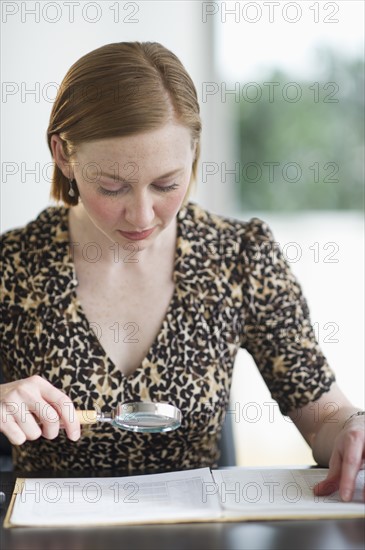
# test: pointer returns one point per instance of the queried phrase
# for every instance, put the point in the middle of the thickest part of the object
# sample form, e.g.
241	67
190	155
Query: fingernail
347	495
75	435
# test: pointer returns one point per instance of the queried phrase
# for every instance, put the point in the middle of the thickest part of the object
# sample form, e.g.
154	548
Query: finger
67	417
64	408
36	418
332	481
327	486
27	423
50	422
27	409
351	464
14	433
17	412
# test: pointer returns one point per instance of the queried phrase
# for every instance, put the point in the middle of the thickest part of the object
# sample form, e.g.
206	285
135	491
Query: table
344	534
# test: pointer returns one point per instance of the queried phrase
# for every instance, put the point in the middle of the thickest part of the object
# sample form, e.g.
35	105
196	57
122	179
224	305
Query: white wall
37	53
333	284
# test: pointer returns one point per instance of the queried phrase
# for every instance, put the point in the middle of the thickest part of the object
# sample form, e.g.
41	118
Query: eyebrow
119	178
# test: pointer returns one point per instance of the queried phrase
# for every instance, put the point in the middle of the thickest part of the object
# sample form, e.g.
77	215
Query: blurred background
281	88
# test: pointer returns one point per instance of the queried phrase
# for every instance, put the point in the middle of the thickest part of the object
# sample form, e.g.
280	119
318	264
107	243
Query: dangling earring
71	191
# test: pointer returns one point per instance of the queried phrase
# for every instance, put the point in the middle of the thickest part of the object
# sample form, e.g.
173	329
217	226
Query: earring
71	191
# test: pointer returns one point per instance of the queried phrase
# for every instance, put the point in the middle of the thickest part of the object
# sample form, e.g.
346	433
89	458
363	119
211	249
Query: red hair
121	89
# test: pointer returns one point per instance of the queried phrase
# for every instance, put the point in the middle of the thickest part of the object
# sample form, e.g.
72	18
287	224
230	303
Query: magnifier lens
140	417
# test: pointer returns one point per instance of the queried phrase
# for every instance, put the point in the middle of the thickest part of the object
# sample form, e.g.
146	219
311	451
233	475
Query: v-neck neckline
112	368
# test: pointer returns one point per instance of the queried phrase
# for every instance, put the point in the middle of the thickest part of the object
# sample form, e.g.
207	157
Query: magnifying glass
136	417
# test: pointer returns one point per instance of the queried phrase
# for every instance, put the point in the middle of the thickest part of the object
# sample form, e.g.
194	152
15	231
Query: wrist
354	415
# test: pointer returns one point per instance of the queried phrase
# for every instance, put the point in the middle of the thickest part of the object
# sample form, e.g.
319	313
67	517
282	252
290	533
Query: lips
137	236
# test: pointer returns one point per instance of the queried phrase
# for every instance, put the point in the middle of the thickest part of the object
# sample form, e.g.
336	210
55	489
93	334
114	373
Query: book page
274	492
115	500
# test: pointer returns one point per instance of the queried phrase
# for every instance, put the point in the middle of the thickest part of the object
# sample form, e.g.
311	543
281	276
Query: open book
229	494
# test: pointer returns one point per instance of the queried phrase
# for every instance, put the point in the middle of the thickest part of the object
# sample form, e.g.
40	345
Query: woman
130	292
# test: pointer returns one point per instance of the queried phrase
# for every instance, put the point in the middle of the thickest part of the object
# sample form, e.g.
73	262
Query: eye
109	192
112	192
167	188
160	188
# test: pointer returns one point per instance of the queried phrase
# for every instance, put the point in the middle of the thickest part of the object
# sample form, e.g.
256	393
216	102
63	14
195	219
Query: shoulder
201	223
39	229
218	254
37	235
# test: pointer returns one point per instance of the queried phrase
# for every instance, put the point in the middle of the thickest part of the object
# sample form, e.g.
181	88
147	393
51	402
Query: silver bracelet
358	413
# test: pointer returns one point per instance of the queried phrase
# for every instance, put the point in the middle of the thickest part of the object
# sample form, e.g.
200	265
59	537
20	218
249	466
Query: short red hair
121	89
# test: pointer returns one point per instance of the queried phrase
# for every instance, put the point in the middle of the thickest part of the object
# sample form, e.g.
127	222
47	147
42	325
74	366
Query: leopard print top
233	288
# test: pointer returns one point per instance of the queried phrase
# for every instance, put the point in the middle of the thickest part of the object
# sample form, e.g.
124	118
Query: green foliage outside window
302	142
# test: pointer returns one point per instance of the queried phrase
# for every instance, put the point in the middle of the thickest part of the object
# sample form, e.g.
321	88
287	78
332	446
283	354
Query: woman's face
135	183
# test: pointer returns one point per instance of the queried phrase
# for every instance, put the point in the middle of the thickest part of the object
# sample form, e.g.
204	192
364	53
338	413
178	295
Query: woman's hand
337	442
32	407
347	459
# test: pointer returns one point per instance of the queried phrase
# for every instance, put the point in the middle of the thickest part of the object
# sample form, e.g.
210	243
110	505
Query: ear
59	157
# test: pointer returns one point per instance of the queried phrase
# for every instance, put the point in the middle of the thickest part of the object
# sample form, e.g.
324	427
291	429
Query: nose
139	212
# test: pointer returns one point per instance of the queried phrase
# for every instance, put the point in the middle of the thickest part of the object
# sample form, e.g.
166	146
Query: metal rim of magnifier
148	417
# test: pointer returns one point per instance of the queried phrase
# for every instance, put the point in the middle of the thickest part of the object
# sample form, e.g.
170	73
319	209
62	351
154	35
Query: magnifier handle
87	417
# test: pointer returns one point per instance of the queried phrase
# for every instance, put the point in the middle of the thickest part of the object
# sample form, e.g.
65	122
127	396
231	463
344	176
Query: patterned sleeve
7	275
277	327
